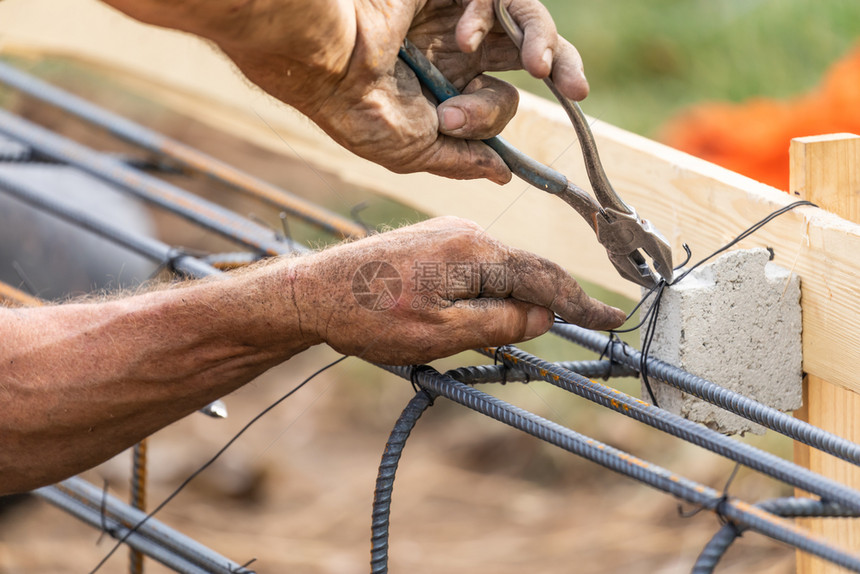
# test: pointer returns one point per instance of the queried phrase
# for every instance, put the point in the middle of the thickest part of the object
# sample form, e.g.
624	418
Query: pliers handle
617	226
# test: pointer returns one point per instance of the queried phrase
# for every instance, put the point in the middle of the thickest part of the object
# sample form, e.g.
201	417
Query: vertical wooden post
826	171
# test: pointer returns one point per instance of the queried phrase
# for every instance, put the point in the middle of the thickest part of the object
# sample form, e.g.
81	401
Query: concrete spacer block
736	322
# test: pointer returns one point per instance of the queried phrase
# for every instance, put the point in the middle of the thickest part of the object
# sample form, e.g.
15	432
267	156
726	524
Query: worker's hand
336	61
434	289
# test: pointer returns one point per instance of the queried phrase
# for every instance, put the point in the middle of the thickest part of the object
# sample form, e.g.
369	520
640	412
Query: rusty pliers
617	226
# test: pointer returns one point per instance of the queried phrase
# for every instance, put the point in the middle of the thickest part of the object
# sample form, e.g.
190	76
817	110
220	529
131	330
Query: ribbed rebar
149	188
680	427
478	374
140	244
12	151
698	494
711	392
716	547
15	295
180	153
155	539
385	479
138	496
234	260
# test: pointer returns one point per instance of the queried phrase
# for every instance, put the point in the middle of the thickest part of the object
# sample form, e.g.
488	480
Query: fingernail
452	119
619	318
547	59
538	322
475	39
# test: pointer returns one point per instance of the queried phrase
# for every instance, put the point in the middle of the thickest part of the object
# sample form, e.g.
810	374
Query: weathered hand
434	289
338	64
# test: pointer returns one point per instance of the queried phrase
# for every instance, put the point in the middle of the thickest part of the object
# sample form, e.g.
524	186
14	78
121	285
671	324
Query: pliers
617	226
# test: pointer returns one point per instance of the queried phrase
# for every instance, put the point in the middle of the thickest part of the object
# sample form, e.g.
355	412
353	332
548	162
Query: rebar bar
185	155
716	547
385	479
13	152
149	188
706	390
155	539
643	471
140	244
226	261
138	496
505	374
685	429
14	295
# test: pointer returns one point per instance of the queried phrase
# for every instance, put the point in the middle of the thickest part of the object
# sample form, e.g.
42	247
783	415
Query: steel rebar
385	479
155	539
182	154
706	390
716	547
685	429
738	511
504	373
12	151
138	496
151	248
149	188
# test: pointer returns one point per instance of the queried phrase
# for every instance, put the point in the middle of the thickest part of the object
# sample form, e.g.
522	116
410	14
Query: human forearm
86	381
299	46
337	62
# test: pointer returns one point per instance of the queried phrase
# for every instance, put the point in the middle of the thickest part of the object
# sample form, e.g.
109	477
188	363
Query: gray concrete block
736	322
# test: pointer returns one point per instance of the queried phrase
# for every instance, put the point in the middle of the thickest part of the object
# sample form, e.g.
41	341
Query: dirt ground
471	495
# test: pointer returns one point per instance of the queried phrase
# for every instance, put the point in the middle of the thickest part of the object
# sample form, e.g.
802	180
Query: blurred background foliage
646	61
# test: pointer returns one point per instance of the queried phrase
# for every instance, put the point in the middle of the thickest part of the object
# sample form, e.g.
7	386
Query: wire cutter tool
617	226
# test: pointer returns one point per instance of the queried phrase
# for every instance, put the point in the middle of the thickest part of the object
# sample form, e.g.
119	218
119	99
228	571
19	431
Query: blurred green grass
645	61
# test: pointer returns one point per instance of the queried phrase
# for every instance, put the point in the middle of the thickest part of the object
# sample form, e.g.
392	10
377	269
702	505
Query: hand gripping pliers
617	226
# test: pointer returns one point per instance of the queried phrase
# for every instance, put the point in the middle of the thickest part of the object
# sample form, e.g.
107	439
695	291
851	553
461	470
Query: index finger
537	280
543	51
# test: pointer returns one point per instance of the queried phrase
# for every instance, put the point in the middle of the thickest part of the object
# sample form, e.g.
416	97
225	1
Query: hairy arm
82	382
87	380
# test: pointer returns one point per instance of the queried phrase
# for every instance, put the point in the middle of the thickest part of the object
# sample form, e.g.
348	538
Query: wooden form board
688	199
826	170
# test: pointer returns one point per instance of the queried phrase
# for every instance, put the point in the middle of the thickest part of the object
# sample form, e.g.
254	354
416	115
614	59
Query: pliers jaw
623	235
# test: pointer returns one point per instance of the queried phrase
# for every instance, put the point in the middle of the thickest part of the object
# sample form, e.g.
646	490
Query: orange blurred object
752	138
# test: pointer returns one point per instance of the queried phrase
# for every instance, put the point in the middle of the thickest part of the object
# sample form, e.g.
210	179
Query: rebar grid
739	512
687	430
263	241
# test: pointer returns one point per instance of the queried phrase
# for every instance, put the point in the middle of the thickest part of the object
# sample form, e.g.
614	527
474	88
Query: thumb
495	322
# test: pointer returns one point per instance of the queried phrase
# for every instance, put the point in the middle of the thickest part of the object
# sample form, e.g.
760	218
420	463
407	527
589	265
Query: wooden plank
826	170
688	199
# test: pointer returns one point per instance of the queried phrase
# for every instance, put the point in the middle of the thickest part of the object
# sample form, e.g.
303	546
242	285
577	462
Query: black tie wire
516	365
